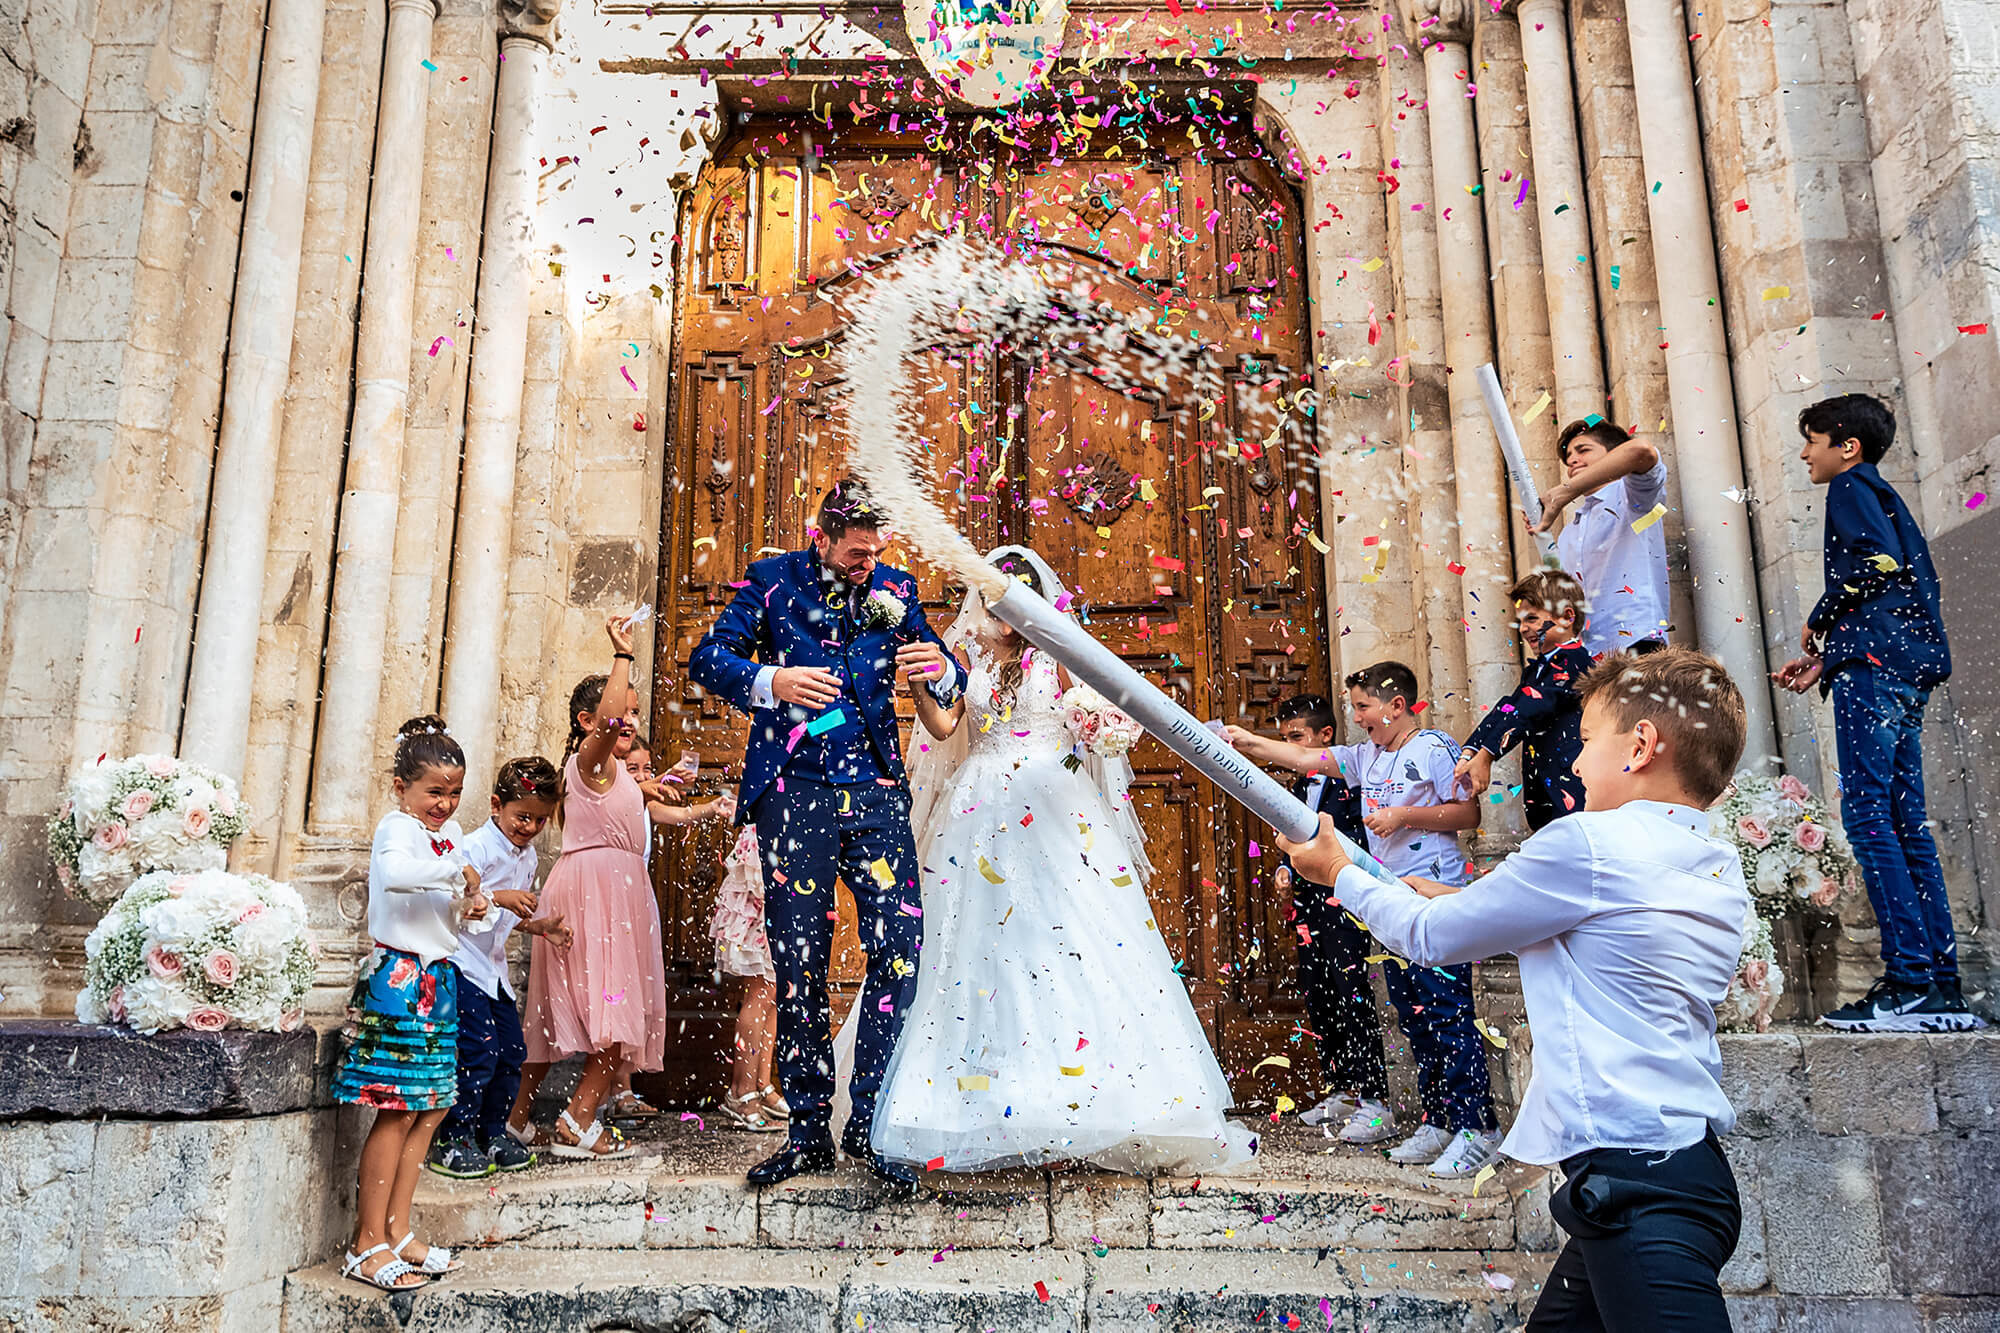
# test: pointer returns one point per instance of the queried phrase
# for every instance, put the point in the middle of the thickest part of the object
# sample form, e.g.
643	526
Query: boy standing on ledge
1627	919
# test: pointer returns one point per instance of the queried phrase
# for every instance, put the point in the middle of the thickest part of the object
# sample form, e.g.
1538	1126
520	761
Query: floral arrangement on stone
205	950
1759	982
120	819
1099	725
1794	853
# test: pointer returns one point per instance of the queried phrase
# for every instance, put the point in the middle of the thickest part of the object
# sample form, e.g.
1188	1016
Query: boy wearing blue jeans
1627	918
1875	641
1406	774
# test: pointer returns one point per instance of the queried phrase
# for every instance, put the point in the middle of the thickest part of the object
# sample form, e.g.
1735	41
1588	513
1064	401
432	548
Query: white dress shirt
481	957
1624	573
415	879
1628	924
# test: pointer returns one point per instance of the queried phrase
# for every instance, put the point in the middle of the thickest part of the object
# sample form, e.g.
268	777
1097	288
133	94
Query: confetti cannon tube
1517	461
1179	730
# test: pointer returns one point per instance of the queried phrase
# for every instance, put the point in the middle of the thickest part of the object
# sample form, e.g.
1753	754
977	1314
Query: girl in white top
402	1060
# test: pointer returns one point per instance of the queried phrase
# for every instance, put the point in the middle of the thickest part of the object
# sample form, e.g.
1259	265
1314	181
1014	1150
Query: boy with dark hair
1544	711
1628	919
1613	543
1875	641
1333	951
1406	776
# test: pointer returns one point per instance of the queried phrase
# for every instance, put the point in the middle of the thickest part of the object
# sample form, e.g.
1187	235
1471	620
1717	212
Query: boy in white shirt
1614	542
473	1140
1628	919
1407	777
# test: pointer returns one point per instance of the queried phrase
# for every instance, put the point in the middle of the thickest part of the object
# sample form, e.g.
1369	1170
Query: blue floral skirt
404	1054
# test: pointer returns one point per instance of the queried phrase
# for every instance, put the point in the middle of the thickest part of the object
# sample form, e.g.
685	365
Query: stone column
1558	169
478	596
216	725
365	547
1727	611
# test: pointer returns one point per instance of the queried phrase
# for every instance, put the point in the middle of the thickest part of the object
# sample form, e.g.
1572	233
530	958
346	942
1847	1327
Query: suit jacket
1338	799
1881	600
779	617
1544	715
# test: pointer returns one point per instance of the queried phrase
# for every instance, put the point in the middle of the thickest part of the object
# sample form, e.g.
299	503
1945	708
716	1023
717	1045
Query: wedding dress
1049	1022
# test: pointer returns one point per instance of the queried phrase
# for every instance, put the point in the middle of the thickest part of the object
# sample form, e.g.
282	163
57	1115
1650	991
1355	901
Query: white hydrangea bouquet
203	950
121	819
1794	853
1099	725
1757	985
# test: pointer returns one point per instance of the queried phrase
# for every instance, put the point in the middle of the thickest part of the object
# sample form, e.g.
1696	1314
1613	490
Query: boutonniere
883	610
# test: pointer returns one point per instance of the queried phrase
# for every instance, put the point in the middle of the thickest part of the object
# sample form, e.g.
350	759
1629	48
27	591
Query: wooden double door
1185	524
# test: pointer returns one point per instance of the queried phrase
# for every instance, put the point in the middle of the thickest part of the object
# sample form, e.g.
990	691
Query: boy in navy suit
1875	641
811	647
1543	715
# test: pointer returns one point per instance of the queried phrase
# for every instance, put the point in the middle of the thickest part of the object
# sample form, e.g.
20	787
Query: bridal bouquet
1754	990
1794	854
121	819
1099	725
203	950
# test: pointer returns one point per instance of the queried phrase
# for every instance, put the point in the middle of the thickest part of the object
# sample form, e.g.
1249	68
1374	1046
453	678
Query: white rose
88	1010
1771	876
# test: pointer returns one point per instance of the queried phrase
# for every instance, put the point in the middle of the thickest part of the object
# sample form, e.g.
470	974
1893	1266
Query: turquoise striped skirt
404	1055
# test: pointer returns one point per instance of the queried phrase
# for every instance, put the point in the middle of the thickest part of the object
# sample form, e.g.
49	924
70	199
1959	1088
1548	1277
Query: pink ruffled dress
609	987
741	947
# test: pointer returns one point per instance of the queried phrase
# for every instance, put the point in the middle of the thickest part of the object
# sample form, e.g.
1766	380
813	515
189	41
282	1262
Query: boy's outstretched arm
1283	754
1634	456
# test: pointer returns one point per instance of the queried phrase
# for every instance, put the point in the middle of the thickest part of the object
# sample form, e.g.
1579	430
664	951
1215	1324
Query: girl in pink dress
605	995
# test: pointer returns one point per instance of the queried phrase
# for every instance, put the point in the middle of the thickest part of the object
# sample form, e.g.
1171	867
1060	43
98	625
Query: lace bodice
1033	724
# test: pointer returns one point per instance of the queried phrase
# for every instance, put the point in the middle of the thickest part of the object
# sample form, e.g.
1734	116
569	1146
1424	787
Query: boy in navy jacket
1875	641
1544	712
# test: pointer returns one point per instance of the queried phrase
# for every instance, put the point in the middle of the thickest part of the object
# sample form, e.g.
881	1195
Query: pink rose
1809	836
163	963
1754	831
1827	892
225	805
65	877
1755	973
1851	881
110	836
220	967
137	805
68	808
196	822
250	913
208	1018
1793	790
116	1009
290	1020
160	766
177	887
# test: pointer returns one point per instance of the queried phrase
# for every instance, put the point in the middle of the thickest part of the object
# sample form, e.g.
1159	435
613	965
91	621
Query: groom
810	647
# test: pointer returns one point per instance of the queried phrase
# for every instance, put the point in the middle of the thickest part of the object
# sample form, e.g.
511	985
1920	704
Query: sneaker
1422	1146
1887	1007
1369	1122
459	1160
1945	1010
508	1155
1470	1151
1337	1106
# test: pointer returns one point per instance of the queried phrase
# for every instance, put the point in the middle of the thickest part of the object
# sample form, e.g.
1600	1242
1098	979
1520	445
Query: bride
1049	1023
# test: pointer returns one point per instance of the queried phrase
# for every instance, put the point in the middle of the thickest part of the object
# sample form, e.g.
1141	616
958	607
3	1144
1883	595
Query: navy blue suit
828	794
1881	600
1333	962
1544	716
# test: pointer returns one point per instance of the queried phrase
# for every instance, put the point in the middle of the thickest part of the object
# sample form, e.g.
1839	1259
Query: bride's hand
916	661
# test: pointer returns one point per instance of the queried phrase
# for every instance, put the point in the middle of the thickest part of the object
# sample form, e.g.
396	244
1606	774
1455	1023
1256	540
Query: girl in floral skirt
402	1060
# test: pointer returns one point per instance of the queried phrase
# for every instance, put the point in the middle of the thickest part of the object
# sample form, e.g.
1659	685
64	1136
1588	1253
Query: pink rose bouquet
1794	855
120	819
1097	724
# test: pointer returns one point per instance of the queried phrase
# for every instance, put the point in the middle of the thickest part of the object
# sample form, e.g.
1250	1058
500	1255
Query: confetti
1486	1173
884	876
1776	293
974	1083
1281	1061
1071	1071
1541	406
1649	518
1488	1032
827	721
992	876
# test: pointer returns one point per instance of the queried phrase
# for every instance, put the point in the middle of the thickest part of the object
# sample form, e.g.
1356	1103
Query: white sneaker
1337	1106
1370	1122
1422	1146
1470	1151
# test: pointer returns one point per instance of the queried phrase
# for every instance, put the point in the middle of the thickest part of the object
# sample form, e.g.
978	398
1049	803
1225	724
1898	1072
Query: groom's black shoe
899	1182
792	1160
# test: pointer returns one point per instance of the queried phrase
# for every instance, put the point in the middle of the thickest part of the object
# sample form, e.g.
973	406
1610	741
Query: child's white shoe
1368	1122
1422	1146
1470	1151
1336	1106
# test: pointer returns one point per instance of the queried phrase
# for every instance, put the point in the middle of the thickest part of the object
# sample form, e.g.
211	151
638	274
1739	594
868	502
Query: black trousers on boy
1649	1232
1340	1004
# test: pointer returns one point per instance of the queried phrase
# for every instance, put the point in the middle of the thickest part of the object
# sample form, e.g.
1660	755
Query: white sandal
389	1277
585	1147
747	1112
437	1259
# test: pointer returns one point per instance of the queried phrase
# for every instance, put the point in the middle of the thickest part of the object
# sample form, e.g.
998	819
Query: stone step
868	1291
1299	1197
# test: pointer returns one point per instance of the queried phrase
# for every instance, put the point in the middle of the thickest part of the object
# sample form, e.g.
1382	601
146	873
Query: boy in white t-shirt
1406	775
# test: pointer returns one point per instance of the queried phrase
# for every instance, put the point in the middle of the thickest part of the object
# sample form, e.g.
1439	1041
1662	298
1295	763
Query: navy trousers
1435	1010
490	1052
810	834
1649	1233
1340	1004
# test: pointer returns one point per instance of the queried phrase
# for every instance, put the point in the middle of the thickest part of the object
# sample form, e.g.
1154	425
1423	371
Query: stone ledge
63	1070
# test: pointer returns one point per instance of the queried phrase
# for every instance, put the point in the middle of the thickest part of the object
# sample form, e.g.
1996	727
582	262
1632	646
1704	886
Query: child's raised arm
1283	754
594	756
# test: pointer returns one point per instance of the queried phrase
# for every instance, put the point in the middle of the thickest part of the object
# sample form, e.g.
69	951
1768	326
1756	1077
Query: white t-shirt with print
1418	773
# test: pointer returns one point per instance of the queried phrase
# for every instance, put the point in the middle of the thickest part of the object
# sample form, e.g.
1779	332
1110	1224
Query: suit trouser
1649	1233
1340	1004
490	1052
1435	1009
810	834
